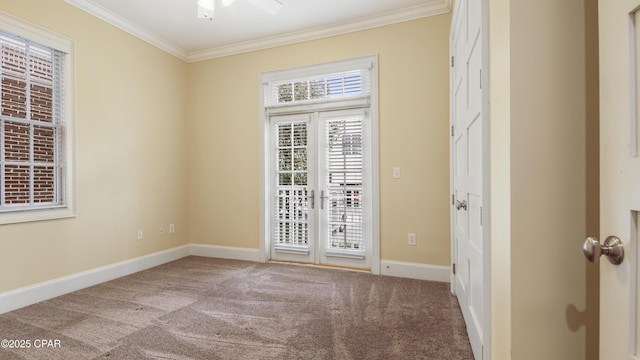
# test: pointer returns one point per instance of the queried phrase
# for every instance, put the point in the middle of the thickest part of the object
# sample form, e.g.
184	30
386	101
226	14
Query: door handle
312	197
461	205
612	248
322	197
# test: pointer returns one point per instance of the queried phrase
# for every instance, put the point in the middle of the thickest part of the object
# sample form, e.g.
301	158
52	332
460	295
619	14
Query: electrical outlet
140	234
161	232
172	228
412	239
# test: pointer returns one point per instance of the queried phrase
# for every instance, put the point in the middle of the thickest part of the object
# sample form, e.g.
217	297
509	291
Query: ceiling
172	24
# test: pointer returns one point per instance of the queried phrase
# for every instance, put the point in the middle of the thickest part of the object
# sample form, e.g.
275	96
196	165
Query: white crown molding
101	13
432	8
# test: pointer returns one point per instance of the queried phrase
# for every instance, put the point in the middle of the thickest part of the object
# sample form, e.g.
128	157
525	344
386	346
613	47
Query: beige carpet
203	308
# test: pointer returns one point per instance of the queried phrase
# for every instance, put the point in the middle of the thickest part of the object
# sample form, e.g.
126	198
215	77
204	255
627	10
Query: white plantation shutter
332	82
344	162
31	124
319	88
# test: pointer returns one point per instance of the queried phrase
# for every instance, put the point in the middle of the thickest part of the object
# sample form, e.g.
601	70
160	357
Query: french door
320	208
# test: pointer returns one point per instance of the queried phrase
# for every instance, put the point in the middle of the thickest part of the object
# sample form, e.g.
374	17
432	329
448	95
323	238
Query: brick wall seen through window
31	124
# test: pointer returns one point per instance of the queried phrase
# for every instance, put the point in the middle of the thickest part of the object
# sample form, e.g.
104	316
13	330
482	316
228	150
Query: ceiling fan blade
270	6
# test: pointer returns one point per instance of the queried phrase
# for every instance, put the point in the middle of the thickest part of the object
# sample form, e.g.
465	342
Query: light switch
396	173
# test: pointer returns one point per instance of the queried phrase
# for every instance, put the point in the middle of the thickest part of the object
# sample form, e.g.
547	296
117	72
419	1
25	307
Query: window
35	136
339	85
319	84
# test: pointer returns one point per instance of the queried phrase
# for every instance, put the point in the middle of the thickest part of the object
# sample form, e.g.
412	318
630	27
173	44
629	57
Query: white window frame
266	110
45	37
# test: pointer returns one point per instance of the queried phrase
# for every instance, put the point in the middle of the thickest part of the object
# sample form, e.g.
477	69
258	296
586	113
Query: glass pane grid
292	205
30	124
351	83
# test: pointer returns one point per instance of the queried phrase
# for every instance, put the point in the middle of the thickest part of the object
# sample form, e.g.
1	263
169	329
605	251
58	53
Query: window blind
325	87
31	124
344	161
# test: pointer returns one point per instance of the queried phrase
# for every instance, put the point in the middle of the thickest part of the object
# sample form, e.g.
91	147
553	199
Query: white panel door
619	23
321	199
467	167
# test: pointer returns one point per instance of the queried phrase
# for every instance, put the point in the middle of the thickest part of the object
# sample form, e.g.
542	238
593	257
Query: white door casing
366	102
468	165
619	31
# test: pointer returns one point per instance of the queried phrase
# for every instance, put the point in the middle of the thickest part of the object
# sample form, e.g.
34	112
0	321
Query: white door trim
486	182
265	149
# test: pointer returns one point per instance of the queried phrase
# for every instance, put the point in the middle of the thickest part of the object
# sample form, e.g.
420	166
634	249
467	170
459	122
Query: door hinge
480	78
452	61
480	215
453	201
452	130
454	268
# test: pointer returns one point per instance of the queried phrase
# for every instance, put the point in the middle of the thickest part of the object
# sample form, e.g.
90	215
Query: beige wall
130	154
542	112
155	135
223	132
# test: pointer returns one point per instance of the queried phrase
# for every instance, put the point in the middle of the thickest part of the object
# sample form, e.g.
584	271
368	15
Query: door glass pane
292	206
344	183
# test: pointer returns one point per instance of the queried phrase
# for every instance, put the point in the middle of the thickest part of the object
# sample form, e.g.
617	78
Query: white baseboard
19	298
226	252
415	271
16	299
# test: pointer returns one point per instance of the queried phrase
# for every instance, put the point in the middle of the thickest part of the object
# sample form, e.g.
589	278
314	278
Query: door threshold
325	266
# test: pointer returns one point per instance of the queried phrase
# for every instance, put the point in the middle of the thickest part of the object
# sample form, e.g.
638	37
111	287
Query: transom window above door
331	82
331	86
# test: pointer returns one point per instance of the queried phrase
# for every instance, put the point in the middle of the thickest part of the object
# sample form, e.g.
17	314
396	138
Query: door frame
486	177
265	145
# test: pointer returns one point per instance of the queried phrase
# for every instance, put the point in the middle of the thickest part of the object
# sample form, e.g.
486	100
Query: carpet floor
204	308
